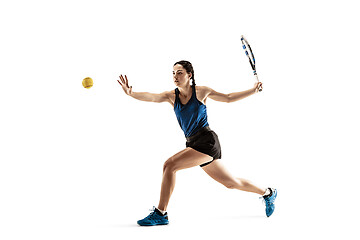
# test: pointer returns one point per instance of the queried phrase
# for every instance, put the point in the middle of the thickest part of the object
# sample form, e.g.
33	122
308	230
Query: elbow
229	98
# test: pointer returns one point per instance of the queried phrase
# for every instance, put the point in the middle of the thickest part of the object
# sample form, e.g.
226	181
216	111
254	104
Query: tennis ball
87	82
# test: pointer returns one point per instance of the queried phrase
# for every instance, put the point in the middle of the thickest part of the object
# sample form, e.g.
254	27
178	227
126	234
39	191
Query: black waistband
204	129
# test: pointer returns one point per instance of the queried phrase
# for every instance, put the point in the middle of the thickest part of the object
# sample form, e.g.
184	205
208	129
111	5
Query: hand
125	85
258	86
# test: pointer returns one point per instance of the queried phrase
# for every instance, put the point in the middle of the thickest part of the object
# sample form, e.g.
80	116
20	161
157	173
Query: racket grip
257	80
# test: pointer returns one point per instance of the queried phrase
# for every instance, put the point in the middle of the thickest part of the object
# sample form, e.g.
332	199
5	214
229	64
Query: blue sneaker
154	218
269	202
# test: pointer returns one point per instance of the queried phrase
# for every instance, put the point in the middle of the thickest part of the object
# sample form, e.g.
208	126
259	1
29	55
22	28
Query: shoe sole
150	225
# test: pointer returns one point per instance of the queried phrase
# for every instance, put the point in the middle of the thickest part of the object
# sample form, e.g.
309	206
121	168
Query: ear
190	75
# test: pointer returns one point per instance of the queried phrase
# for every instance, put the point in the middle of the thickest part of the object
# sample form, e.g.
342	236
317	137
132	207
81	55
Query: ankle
163	212
267	192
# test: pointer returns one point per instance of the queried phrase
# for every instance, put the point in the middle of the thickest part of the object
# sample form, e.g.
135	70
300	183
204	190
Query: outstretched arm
142	96
233	97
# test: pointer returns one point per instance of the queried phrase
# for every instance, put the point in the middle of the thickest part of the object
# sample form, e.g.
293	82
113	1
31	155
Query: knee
235	184
169	165
243	183
230	185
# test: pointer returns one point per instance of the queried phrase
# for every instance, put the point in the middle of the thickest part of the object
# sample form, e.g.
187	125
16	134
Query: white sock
163	212
267	192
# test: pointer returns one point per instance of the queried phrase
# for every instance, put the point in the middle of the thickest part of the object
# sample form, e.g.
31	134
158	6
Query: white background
81	163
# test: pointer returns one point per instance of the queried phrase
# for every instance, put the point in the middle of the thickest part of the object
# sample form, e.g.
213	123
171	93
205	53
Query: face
180	76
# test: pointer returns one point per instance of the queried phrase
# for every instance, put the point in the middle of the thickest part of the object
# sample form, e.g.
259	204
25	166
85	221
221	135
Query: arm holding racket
231	97
236	96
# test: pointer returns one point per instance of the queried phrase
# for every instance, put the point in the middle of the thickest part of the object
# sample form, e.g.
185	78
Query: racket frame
249	53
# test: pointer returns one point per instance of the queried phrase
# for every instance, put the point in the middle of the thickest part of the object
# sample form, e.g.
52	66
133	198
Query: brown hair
189	69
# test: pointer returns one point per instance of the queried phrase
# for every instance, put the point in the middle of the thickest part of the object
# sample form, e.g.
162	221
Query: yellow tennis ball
87	82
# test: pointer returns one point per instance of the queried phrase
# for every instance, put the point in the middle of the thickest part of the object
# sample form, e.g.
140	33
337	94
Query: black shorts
206	142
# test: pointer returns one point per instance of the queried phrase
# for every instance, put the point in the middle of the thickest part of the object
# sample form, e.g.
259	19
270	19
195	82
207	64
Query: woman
202	144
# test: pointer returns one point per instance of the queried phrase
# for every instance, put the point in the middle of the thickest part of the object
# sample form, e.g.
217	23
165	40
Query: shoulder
170	96
202	93
204	90
169	93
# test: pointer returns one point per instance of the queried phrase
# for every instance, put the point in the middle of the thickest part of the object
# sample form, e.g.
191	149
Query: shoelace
153	209
151	215
266	200
263	200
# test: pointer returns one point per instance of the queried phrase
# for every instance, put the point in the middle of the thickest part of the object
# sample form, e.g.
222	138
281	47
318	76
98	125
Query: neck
185	90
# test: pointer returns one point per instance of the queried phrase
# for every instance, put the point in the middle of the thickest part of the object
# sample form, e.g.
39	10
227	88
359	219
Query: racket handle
257	80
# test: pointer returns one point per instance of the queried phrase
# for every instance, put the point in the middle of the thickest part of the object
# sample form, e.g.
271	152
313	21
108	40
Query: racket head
249	53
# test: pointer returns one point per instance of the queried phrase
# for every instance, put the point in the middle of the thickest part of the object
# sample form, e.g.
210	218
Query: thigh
187	158
218	172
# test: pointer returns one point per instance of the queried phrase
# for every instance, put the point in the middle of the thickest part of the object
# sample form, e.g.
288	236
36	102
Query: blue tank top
192	116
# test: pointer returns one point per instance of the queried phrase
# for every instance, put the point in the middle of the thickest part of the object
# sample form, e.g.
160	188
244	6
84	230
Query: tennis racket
250	54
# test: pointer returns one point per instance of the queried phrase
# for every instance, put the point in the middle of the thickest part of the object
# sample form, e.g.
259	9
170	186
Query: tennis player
202	144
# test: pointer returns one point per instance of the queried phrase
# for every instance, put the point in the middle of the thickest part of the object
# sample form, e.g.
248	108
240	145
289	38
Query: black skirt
206	141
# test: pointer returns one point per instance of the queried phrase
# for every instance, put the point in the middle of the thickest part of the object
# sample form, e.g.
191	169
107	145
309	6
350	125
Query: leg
184	159
217	171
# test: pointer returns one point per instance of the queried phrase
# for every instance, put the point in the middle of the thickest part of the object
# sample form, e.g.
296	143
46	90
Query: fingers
258	86
123	81
127	82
